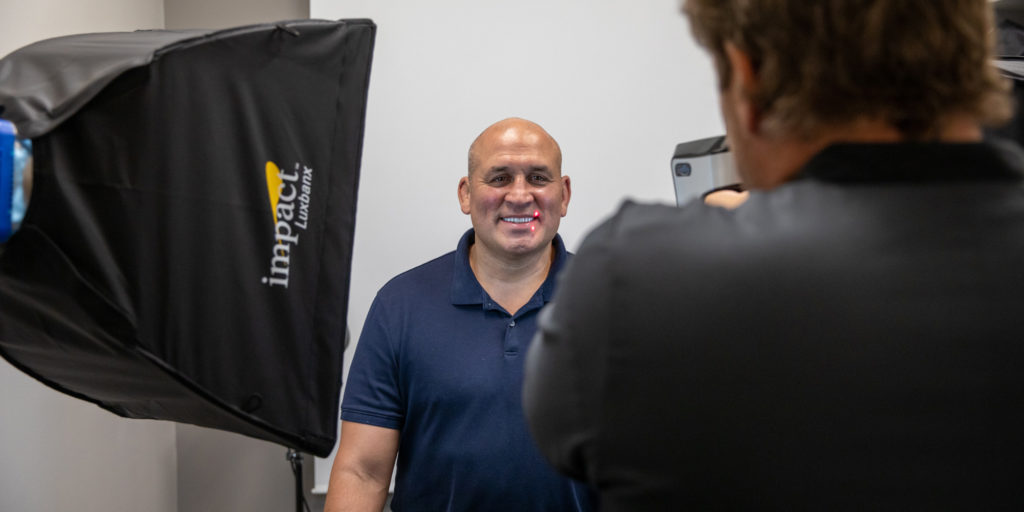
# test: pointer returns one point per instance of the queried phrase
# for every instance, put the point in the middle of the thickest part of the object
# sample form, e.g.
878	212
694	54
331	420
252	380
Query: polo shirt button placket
511	344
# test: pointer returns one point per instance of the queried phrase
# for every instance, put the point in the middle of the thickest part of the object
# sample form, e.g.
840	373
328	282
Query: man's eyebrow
498	169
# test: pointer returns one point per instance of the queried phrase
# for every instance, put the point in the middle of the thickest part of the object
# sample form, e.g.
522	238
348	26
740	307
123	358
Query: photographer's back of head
808	74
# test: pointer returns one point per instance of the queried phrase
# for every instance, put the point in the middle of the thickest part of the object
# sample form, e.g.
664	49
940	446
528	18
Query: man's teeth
518	220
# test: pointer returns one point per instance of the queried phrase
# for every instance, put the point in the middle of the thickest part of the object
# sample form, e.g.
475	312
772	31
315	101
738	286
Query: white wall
617	82
223	472
27	22
230	13
61	454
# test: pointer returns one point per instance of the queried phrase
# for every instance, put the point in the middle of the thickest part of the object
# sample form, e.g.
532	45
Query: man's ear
743	87
566	194
464	194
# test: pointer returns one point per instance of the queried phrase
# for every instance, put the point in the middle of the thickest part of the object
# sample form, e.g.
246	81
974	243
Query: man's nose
519	192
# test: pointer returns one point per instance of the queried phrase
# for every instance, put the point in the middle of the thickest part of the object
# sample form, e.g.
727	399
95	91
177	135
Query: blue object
6	177
439	360
19	202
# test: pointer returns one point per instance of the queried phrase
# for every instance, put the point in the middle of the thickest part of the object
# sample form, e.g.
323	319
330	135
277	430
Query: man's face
515	195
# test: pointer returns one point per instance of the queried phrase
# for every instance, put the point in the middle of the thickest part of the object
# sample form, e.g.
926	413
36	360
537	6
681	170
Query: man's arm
566	364
362	468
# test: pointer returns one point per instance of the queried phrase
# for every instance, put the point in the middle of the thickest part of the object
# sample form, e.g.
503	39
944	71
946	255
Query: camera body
701	165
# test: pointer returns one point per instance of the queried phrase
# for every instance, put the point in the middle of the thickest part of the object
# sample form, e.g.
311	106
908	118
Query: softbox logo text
289	201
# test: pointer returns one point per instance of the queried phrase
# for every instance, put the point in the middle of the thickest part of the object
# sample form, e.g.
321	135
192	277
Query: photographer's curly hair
819	63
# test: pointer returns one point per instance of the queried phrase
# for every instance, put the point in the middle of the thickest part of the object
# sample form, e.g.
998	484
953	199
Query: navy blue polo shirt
443	363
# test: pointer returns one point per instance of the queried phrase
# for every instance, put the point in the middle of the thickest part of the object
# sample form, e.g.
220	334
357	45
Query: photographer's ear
742	88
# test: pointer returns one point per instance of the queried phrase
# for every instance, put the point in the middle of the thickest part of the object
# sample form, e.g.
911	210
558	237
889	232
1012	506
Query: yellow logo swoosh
273	187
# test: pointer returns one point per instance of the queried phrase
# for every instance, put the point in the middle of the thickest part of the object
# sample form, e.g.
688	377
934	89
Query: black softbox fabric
186	254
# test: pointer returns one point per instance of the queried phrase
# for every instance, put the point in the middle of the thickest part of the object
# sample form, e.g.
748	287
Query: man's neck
511	282
789	156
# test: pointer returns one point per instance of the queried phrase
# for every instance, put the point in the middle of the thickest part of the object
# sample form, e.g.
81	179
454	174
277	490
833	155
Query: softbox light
186	254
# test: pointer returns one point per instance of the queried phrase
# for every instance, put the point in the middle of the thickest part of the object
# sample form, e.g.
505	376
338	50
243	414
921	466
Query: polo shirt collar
466	290
916	162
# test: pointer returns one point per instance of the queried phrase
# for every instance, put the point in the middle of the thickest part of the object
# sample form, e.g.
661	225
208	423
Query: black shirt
853	339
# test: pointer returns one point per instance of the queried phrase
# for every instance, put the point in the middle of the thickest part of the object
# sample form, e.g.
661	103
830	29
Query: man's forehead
517	137
514	138
525	165
518	156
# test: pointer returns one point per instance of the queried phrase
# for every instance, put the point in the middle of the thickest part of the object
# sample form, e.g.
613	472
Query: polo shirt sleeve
567	361
372	393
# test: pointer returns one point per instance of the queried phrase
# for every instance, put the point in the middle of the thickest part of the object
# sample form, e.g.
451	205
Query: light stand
295	458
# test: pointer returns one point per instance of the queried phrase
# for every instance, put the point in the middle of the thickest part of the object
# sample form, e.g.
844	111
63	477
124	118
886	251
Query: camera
702	165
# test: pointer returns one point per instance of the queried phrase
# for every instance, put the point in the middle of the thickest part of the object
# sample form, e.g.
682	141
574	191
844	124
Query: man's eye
499	179
539	178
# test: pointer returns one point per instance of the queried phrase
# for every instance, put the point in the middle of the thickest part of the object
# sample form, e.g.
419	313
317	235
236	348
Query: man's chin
517	242
525	245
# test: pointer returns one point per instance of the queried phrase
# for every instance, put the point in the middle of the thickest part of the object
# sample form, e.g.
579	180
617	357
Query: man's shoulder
429	277
640	227
696	237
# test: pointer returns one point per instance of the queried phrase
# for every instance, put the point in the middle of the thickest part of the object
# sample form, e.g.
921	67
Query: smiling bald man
437	373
